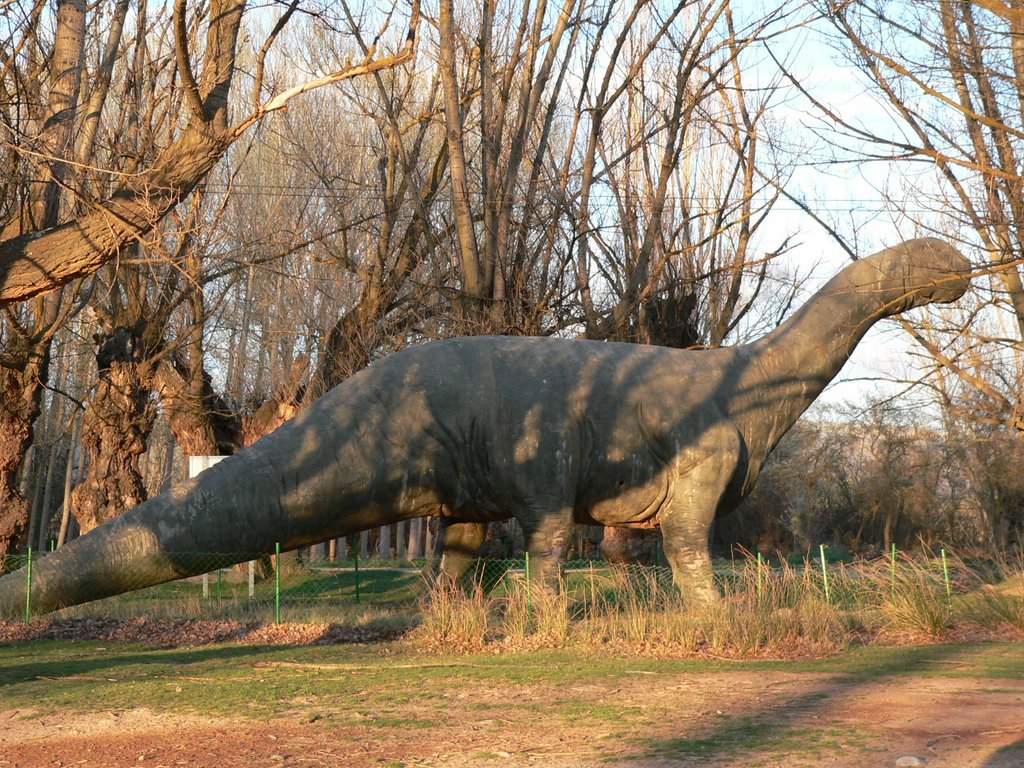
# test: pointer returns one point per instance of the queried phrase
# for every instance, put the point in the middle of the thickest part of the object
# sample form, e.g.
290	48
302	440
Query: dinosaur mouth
946	289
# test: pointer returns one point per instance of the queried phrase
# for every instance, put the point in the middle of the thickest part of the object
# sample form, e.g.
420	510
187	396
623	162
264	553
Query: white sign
197	464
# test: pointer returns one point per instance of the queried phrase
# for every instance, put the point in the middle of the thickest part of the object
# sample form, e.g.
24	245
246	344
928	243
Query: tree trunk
41	261
401	540
416	538
469	257
21	390
202	422
15	433
115	429
281	407
892	518
46	510
24	371
65	517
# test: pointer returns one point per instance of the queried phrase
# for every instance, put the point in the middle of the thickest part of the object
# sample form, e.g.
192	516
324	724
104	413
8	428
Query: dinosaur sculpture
548	431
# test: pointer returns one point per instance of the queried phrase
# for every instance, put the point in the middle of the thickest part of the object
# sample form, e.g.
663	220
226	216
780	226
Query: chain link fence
290	587
295	587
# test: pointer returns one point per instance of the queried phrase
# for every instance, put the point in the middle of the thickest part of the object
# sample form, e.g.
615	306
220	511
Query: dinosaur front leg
705	472
686	547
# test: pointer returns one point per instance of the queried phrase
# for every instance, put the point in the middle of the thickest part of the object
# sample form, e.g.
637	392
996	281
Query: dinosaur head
926	270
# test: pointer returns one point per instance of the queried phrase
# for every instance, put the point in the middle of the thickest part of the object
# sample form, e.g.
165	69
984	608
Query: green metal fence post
28	588
277	583
526	569
824	574
593	591
355	563
893	570
759	576
945	576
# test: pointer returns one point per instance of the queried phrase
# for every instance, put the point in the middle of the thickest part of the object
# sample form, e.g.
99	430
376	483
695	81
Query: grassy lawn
590	706
260	682
522	675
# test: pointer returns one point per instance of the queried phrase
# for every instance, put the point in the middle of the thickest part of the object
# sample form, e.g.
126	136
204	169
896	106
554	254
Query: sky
850	196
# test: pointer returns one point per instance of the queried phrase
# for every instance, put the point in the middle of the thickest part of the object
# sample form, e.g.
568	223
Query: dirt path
713	719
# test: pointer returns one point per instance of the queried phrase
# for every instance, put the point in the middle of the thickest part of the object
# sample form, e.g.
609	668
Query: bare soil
720	718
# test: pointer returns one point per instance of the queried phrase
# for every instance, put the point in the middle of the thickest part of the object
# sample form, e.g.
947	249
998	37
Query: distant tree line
871	478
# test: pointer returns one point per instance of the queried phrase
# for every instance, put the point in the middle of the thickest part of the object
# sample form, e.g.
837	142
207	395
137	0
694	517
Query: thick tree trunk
42	261
21	390
202	422
15	435
114	431
25	369
281	407
346	351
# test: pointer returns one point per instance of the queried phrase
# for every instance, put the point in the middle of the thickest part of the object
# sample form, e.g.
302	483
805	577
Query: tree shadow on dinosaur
548	431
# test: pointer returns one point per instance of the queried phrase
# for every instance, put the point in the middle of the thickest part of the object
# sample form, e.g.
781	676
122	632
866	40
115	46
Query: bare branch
366	67
261	59
188	80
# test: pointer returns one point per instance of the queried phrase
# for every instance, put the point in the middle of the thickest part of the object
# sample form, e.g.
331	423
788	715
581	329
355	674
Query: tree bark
65	516
41	261
201	420
472	279
46	510
281	407
24	369
115	429
20	393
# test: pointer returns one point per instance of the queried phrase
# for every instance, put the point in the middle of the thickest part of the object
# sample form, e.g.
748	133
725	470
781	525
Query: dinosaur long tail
279	490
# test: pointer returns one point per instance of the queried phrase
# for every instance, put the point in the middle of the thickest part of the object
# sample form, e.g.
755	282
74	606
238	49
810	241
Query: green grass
396	687
319	595
747	734
262	682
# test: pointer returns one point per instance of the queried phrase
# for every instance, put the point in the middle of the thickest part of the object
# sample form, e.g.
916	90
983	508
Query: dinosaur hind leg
687	553
458	542
548	537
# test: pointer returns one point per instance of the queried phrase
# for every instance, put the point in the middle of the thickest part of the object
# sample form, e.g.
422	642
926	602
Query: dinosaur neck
791	366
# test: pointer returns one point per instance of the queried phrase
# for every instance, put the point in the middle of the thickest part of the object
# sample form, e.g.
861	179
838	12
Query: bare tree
951	76
115	199
39	262
27	332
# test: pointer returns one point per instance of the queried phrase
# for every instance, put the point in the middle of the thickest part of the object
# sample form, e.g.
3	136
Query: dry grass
453	619
781	611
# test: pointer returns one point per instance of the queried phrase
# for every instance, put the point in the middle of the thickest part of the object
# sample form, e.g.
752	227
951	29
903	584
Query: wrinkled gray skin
548	431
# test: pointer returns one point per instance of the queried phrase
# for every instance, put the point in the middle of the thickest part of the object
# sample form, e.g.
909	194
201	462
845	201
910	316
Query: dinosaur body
547	431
